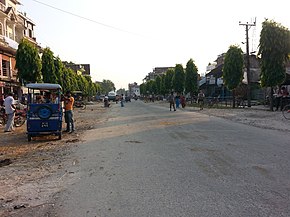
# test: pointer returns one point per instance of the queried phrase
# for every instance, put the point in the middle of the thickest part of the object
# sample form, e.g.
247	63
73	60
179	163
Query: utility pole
248	26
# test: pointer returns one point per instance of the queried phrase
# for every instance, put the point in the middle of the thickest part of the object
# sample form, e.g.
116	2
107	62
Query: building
156	72
83	69
212	82
134	89
14	25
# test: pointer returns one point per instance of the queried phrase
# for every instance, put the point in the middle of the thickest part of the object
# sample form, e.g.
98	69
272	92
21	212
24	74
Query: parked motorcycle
19	118
80	104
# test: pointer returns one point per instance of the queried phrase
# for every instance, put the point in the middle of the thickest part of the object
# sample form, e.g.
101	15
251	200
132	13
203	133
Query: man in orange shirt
68	115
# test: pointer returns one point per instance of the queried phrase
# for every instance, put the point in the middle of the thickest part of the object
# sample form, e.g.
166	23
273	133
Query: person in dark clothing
171	101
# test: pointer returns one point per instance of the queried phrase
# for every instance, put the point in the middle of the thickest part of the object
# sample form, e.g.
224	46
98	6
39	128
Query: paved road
148	161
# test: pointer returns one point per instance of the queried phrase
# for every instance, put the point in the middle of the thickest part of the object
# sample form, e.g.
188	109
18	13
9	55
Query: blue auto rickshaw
44	110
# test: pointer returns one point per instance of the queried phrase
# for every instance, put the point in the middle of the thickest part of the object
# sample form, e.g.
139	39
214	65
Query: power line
84	18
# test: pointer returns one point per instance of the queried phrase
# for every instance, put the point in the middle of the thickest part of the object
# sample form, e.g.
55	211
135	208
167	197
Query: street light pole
248	26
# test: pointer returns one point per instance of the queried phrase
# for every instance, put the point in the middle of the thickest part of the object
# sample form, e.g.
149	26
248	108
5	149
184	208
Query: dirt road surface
31	173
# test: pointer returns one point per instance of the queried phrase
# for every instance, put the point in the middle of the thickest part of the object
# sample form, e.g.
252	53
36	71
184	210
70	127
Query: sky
123	40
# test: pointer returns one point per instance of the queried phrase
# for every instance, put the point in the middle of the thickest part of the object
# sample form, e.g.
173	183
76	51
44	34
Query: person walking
177	100
171	101
122	100
182	101
68	115
200	99
9	105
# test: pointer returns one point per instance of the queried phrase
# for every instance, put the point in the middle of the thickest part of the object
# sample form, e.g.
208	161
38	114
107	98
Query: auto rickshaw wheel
59	136
29	137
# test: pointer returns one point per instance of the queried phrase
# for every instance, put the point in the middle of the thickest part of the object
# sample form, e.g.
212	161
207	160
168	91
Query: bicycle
212	102
286	112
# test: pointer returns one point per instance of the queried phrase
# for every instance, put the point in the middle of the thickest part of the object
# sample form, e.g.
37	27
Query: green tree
274	48
70	81
158	84
97	88
121	91
233	68
82	84
58	65
168	80
48	67
91	91
143	88
28	62
162	85
178	78
191	76
107	86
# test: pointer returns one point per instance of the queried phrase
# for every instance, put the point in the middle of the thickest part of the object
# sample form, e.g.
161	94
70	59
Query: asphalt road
148	161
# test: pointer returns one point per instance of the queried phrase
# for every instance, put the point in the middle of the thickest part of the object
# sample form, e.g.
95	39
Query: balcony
13	44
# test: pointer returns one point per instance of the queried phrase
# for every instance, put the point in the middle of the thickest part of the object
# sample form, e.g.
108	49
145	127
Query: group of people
176	101
279	95
120	98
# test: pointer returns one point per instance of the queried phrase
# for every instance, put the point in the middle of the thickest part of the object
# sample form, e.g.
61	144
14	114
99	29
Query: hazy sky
126	39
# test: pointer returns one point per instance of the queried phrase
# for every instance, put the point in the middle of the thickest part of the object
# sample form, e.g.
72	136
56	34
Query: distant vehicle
128	98
78	96
112	96
100	98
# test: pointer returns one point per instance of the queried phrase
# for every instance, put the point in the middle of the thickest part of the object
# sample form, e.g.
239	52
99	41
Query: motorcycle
19	118
80	104
106	103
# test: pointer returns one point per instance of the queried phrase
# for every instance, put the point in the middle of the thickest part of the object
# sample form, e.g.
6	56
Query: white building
134	89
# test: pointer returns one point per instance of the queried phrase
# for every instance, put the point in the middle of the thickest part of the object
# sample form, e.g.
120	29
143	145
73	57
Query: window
1	29
30	33
5	68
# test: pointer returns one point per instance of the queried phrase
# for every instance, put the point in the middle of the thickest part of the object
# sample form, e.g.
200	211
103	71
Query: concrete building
134	89
156	71
83	69
14	25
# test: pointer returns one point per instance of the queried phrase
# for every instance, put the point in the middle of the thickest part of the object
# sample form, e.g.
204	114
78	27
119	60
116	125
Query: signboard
212	80
219	81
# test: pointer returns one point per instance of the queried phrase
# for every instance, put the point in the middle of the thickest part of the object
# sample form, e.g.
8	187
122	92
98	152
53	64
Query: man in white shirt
10	111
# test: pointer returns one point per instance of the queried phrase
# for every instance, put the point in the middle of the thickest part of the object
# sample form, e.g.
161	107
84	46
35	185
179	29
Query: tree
274	49
191	76
158	84
162	85
82	84
121	91
69	80
168	80
48	67
107	86
97	87
91	91
178	78
28	62
59	67
233	68
143	88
